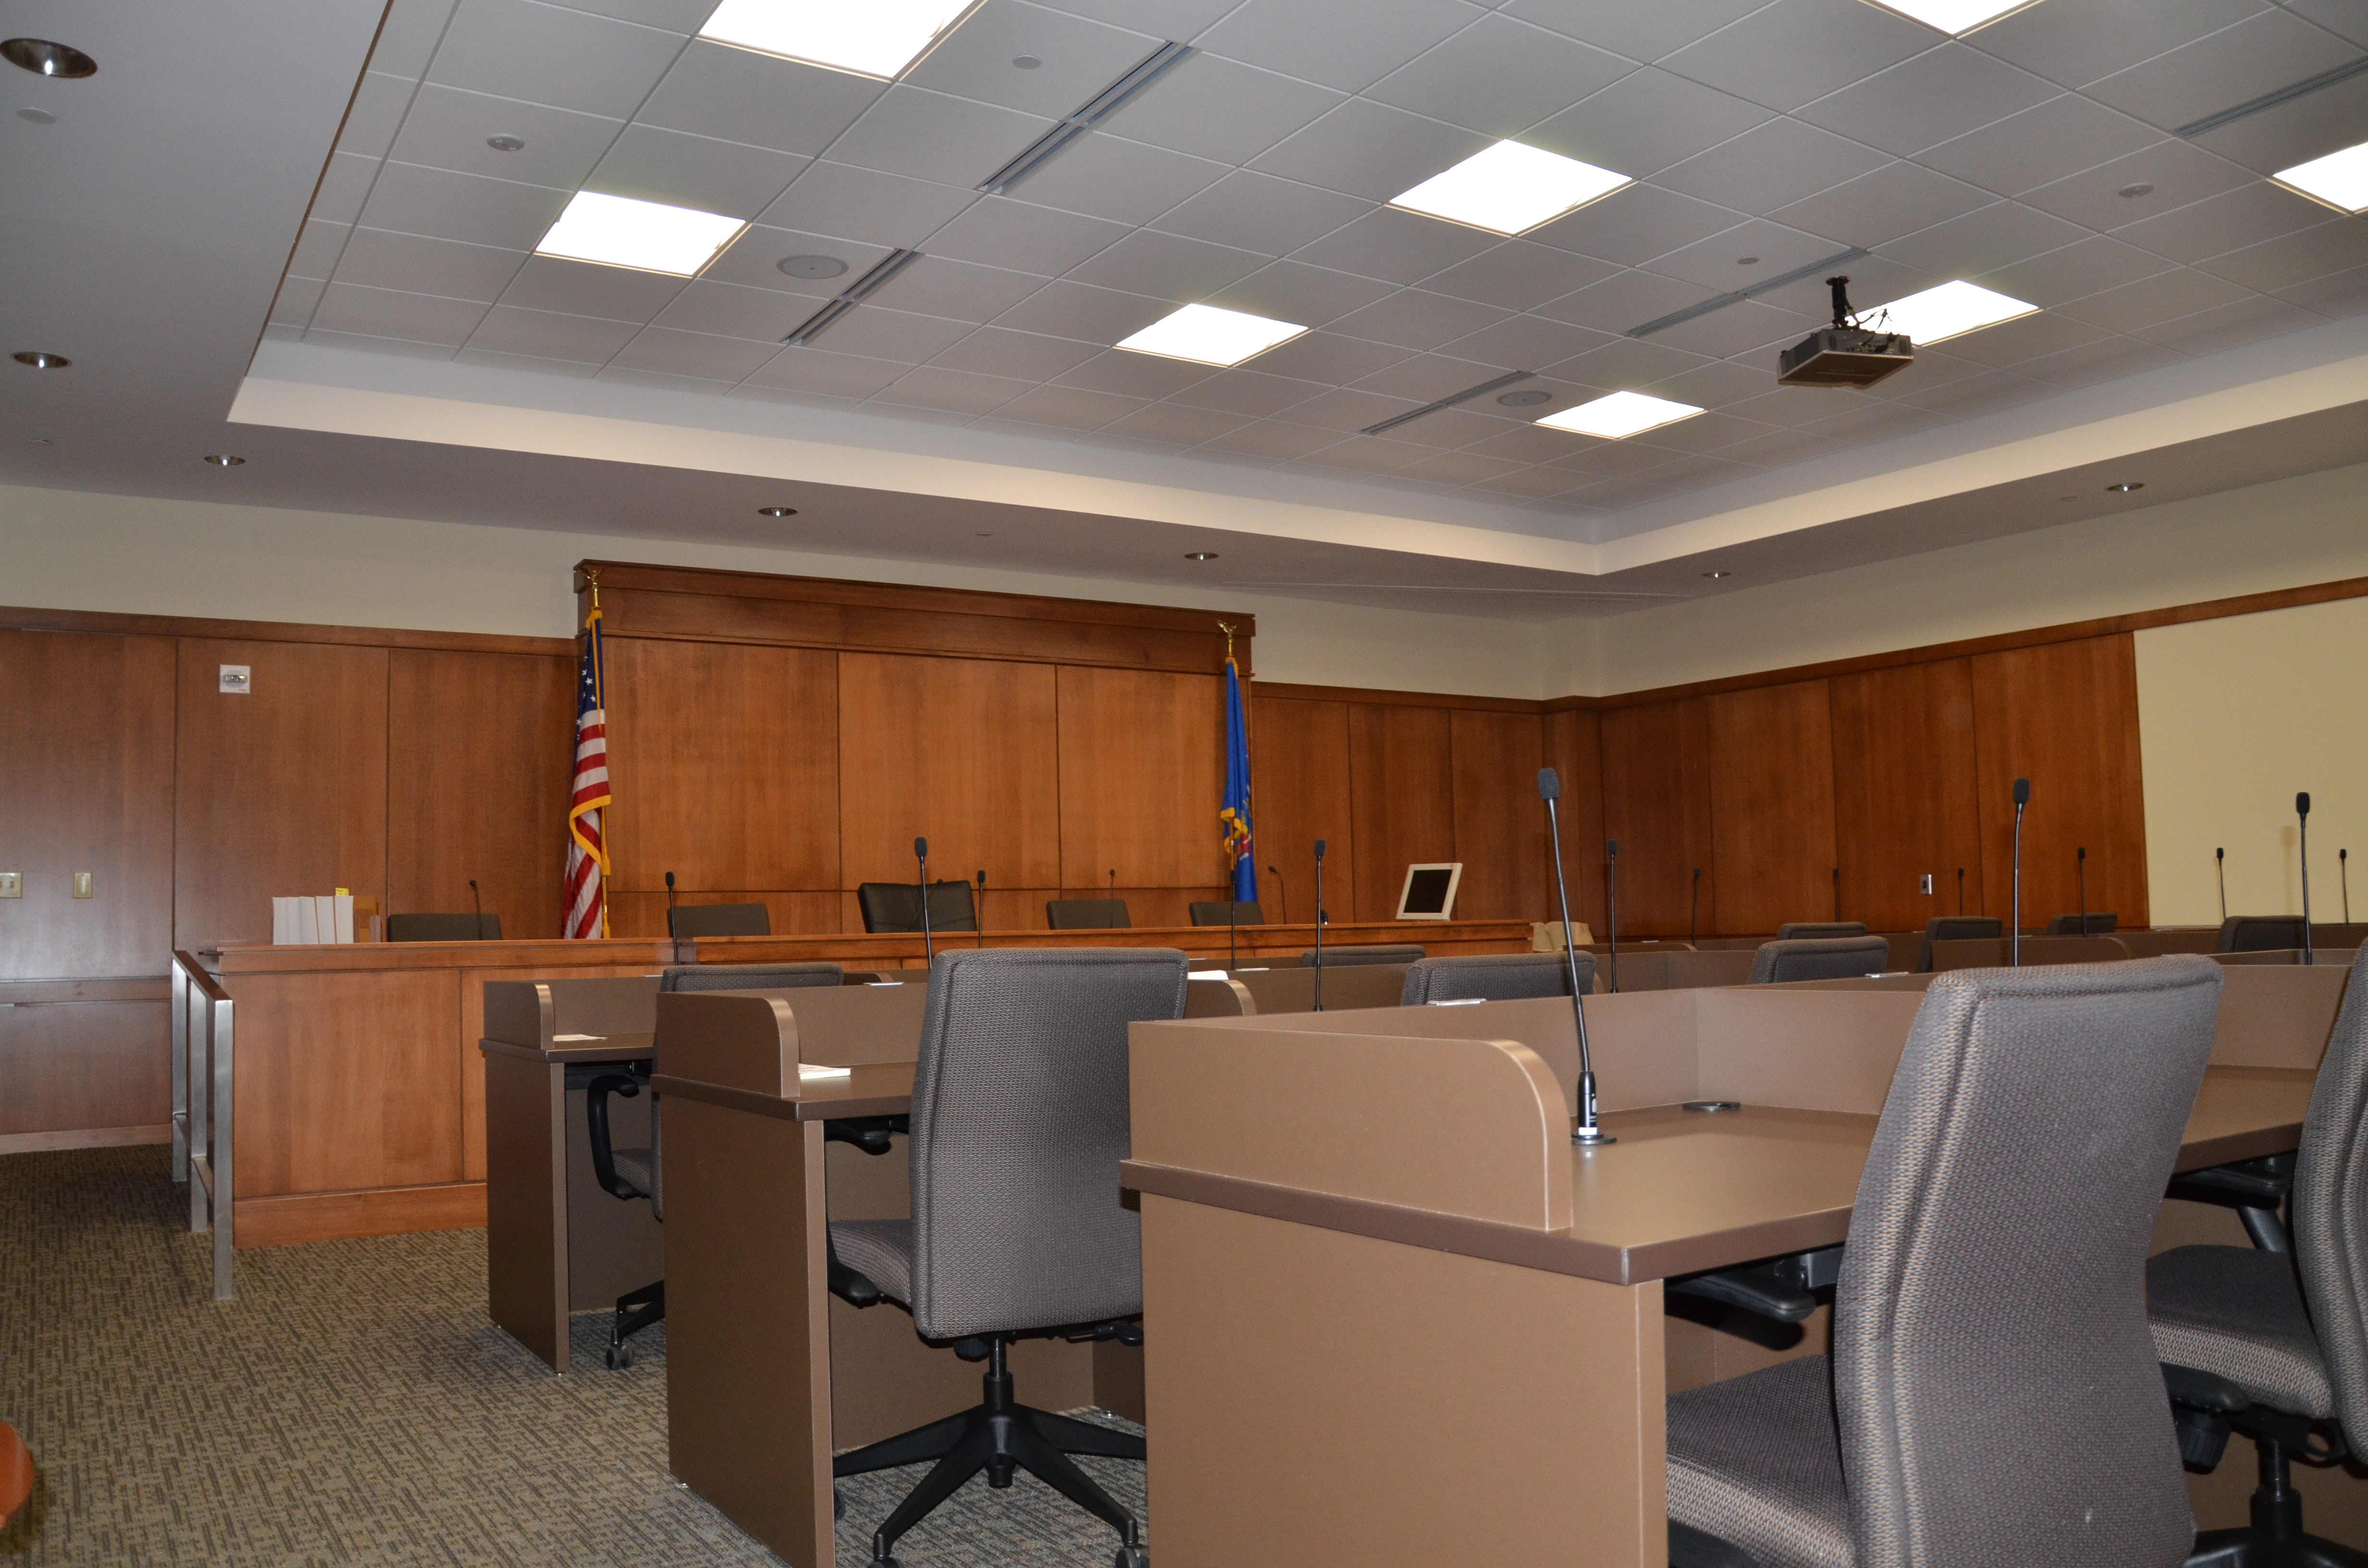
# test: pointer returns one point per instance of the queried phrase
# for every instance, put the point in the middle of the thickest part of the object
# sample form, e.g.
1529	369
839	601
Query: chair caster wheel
1132	1557
618	1356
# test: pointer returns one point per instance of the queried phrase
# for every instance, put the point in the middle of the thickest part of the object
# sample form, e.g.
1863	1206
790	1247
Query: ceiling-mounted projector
1845	354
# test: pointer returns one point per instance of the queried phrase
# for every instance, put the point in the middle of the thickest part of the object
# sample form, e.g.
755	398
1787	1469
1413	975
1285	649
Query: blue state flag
1234	815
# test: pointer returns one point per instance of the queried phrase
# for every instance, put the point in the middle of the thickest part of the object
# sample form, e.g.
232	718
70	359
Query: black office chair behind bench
636	1174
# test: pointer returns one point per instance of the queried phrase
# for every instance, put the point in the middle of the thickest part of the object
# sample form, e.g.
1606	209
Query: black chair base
1000	1436
2244	1549
636	1309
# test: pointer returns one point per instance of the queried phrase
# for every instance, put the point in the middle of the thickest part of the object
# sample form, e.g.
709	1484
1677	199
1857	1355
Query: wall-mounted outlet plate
11	884
236	680
1924	884
82	884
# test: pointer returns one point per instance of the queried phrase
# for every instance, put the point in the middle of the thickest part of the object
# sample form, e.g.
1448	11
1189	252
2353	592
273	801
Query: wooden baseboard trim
293	1217
84	1138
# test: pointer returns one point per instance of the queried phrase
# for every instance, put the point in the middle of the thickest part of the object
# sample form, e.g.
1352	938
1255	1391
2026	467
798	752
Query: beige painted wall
2309	529
70	550
2234	717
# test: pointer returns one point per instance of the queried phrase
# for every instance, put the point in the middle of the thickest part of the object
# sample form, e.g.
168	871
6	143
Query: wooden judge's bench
360	1093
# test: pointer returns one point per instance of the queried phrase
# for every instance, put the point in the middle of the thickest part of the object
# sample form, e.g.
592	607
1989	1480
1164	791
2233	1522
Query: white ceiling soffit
307	388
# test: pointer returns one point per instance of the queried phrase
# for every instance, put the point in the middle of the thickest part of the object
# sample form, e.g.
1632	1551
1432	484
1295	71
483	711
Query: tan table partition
1245	992
768	1374
1393	1315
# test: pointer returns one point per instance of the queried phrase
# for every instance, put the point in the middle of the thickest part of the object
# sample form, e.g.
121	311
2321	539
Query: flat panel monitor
1430	892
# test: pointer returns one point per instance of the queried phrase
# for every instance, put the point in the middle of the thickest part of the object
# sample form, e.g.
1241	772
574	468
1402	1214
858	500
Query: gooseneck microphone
1838	895
2220	869
1611	904
1961	890
1114	881
1694	917
2302	819
1233	930
478	899
1281	891
929	940
1319	925
2080	860
977	915
669	903
2021	798
2343	872
1590	1132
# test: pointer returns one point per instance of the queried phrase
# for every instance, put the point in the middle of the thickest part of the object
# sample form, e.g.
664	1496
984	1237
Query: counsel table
1392	1316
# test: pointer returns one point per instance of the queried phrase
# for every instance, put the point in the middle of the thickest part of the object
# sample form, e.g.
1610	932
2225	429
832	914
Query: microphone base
1590	1137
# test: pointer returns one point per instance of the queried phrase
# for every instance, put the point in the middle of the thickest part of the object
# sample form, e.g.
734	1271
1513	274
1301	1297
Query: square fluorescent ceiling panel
870	37
1620	414
1957	16
616	231
2339	179
1948	311
1511	189
1210	336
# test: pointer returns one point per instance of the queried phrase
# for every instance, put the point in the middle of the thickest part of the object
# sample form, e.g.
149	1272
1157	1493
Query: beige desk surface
596	1048
1682	1191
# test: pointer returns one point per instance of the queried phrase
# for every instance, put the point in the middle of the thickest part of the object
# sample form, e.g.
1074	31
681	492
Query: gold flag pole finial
1229	639
592	581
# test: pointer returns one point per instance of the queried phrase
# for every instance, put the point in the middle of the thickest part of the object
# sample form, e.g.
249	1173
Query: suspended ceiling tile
820	370
1293	291
2246	214
1796	51
1167	266
1415	318
549	54
386	260
2088	267
1221	109
737	94
1271	440
1625	299
1525	342
1646	121
1085	313
2178	171
958	290
1028	356
1369	149
447	128
2076	44
551	335
1784	160
576	370
1718	262
386	313
2345	18
1748	325
1425	378
1076	58
1343	45
754	261
1398	246
1877	207
1637	224
2008	345
1251	394
1518	275
411	200
1640	32
2339	294
935	136
1531	74
581	288
407	38
1996	236
344	183
1126	181
2228	325
1627	363
2297	130
1142	375
1255	212
955	391
2040	144
2336	246
376	114
674	170
1174	422
2106	360
728	310
999	232
886	209
1937	95
877	333
2259	54
1328	359
703	354
2150	302
1071	407
404	347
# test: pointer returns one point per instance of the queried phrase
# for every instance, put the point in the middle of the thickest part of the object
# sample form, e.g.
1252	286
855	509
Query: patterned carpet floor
353	1406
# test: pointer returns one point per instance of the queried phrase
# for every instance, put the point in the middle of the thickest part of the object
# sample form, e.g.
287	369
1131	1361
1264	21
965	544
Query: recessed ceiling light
618	231
1949	310
776	511
1621	414
1530	398
2135	189
2126	487
224	460
1953	15
1208	334
812	266
37	116
2339	179
44	58
1025	61
1746	261
506	143
1510	188
1714	576
1199	555
41	359
873	37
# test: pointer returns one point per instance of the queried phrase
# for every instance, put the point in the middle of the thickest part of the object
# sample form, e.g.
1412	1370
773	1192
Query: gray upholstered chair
1957	929
747	976
2090	925
1085	913
1835	958
689	920
1820	930
443	928
2276	1345
1217	912
1504	977
896	906
1020	1121
1992	1399
2260	933
1377	952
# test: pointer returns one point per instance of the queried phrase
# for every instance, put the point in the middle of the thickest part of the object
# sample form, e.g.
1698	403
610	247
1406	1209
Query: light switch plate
235	680
82	884
1924	884
11	884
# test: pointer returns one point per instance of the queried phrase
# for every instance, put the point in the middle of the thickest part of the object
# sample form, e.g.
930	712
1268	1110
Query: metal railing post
180	995
221	1194
204	1085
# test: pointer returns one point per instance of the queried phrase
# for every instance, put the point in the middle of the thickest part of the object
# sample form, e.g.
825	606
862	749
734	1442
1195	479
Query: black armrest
850	1285
1782	1289
873	1134
596	1115
2199	1390
2255	1188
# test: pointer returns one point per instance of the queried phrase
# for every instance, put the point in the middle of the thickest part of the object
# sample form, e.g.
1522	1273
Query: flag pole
600	694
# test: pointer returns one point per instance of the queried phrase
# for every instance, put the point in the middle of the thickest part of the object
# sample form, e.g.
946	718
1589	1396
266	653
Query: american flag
587	854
